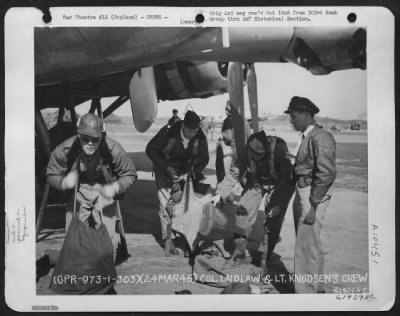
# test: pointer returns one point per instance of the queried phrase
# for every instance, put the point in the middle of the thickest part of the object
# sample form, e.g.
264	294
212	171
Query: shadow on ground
139	206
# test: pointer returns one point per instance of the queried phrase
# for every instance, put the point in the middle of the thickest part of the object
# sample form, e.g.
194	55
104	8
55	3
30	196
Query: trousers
94	209
163	185
308	253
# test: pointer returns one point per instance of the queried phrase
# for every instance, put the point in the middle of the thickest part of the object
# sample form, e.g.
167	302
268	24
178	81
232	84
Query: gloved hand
274	211
172	174
110	190
70	180
310	217
241	211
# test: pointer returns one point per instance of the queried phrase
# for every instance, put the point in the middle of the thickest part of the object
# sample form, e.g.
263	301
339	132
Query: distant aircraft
148	64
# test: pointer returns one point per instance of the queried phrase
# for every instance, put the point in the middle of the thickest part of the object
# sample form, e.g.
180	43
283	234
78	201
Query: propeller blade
143	95
253	100
235	88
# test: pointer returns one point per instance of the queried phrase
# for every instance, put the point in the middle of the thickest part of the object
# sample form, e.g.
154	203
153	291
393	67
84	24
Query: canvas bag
250	201
86	261
188	213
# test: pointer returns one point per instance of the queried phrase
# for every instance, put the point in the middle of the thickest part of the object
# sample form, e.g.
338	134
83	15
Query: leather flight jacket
316	163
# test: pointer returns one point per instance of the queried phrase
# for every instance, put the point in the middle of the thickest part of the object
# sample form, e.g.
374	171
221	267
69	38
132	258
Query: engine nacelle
173	81
323	50
189	79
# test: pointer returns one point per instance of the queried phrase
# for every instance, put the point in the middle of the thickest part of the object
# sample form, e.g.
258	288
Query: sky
341	94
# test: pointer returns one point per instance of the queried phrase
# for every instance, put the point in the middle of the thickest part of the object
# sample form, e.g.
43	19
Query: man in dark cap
175	118
176	151
264	170
314	172
100	168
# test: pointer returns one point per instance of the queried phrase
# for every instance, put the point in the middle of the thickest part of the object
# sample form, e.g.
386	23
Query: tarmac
344	237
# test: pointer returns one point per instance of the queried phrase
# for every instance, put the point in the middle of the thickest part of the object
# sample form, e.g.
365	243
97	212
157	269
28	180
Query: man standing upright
314	172
174	118
176	151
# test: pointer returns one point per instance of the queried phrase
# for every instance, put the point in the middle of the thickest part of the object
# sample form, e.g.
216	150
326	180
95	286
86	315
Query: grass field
352	166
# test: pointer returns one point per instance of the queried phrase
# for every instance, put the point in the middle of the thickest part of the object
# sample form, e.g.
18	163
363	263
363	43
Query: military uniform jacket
165	149
316	163
91	172
272	170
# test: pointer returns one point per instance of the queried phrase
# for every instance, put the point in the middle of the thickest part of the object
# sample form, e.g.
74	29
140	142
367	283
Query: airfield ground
344	236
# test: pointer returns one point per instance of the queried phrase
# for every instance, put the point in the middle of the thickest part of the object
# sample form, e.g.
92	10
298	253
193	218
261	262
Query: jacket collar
308	130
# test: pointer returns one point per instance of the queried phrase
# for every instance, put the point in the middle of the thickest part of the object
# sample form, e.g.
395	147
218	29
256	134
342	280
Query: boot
169	248
240	249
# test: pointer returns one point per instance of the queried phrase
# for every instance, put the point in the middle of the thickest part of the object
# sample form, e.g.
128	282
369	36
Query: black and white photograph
216	151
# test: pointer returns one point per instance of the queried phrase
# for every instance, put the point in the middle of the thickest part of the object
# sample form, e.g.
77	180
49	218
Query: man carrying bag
176	151
104	171
86	262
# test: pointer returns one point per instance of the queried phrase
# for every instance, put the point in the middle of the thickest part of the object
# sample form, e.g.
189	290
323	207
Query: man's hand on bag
310	217
70	180
274	211
241	211
172	174
110	190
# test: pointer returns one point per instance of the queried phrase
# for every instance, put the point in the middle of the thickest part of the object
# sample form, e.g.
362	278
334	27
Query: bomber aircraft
145	65
148	64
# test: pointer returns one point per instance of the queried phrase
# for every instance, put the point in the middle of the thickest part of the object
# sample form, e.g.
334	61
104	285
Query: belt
301	181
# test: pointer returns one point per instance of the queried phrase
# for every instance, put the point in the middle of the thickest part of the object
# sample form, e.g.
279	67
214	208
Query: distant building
355	126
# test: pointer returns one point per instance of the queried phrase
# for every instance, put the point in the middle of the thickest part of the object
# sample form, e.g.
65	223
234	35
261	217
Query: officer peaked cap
301	104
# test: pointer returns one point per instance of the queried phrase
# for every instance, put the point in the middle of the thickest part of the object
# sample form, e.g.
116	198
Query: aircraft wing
176	62
74	53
